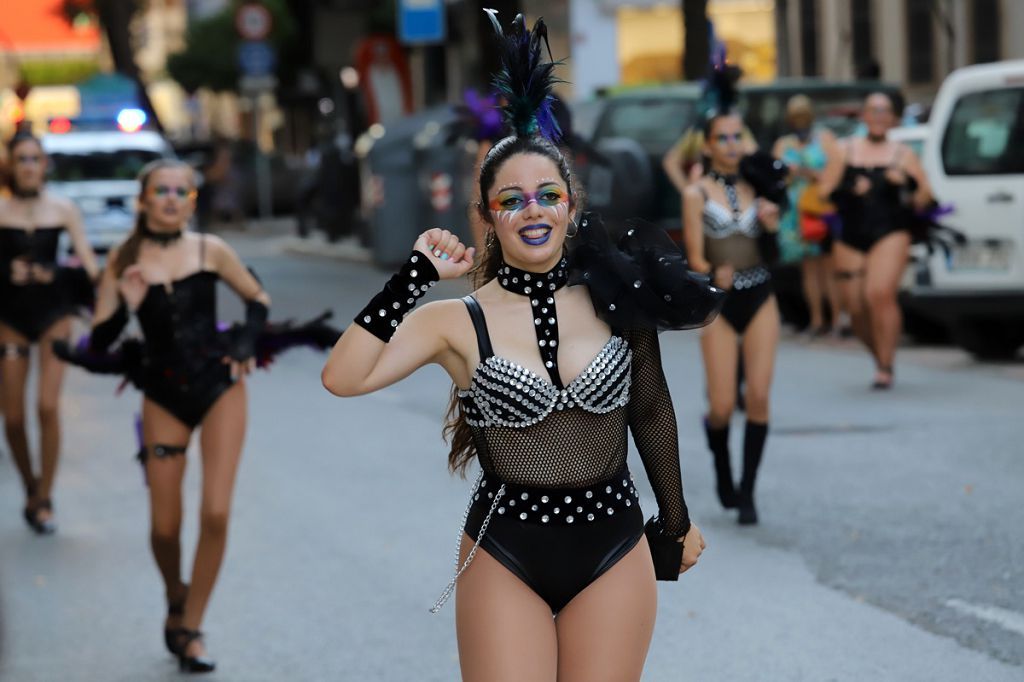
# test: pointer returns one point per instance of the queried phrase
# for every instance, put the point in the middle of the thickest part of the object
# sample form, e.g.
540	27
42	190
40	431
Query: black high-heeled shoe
190	664
880	384
174	608
41	526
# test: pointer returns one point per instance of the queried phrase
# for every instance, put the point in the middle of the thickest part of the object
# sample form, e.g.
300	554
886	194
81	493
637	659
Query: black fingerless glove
107	331
666	550
243	345
387	309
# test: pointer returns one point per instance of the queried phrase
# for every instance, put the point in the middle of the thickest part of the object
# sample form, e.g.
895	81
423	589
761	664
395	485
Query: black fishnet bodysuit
577	446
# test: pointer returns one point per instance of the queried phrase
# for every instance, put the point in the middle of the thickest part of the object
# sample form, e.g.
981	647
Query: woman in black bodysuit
190	379
723	223
36	301
545	393
877	185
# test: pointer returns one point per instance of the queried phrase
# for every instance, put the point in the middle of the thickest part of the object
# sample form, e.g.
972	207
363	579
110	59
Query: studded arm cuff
386	310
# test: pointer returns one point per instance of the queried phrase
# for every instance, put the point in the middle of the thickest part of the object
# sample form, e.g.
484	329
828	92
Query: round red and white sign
253	21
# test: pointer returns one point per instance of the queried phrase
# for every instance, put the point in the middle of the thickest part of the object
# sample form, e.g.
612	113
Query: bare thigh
885	265
221	440
848	261
719	345
605	631
15	372
506	632
164	474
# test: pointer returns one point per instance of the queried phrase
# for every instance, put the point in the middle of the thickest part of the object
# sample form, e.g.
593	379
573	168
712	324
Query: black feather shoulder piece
526	79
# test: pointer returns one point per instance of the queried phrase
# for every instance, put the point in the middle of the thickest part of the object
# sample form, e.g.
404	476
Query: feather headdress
719	94
525	78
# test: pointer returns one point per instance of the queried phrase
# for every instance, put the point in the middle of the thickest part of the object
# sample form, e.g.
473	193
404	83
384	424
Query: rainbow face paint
550	196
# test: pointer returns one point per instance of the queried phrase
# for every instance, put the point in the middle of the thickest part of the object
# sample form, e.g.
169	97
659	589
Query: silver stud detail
525	496
382	312
413	273
546	518
610	511
367	319
589	494
611	307
568	519
568	499
544	499
590	517
413	260
636	284
501	510
523	516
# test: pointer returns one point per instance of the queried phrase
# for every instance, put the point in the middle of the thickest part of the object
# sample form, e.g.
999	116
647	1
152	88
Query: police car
95	164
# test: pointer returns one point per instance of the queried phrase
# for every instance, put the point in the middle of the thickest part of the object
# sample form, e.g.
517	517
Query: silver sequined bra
504	393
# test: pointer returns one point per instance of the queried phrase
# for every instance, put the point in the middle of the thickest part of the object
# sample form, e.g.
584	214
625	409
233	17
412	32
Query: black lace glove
385	311
107	331
243	345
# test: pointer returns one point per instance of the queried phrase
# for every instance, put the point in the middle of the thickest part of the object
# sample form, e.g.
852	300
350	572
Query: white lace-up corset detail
504	393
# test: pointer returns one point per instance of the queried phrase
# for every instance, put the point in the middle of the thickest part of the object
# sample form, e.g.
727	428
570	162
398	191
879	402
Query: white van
974	157
97	170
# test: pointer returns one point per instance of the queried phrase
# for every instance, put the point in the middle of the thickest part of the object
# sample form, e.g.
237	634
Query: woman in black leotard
36	302
546	391
723	225
876	185
190	379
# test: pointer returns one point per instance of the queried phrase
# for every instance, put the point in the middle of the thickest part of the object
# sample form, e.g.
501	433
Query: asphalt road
890	546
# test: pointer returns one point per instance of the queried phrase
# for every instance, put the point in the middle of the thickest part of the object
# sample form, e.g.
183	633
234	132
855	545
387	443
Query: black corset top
181	322
504	393
37	246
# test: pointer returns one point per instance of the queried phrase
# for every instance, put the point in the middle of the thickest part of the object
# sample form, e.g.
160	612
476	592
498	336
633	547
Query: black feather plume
526	79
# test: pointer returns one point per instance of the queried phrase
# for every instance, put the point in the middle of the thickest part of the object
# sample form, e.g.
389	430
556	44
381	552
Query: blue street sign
421	21
256	58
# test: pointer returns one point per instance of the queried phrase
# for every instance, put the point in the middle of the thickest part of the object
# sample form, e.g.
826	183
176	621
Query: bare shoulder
695	191
65	206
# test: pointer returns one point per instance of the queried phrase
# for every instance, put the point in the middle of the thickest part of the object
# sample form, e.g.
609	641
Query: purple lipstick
536	234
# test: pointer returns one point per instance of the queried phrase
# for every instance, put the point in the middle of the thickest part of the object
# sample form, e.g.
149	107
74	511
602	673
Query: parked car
97	169
974	162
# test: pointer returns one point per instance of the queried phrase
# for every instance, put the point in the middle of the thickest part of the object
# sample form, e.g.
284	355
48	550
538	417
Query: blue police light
131	120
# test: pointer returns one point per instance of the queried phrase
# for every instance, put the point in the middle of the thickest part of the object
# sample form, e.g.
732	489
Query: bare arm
73	223
672	162
693	229
912	166
108	298
230	268
832	175
361	362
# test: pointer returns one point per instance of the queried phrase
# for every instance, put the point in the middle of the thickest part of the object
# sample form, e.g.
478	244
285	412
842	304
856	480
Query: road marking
1004	618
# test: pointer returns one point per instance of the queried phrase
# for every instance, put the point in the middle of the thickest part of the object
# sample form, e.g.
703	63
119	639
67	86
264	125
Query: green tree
210	59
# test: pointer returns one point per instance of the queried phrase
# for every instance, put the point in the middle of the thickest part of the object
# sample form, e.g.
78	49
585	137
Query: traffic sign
421	21
256	58
253	21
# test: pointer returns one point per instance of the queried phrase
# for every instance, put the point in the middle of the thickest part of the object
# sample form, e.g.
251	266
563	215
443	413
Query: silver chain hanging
458	541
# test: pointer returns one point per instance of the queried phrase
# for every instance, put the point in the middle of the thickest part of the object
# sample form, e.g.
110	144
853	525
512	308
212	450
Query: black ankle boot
718	443
753	448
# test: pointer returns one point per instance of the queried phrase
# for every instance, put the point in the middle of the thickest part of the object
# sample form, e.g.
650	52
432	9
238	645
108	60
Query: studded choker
540	288
161	238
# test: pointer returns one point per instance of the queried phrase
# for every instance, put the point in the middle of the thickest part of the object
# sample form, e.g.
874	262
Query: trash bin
398	204
445	164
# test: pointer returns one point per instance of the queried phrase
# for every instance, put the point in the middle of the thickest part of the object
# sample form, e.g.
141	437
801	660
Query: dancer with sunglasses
37	298
723	230
555	577
167	277
877	185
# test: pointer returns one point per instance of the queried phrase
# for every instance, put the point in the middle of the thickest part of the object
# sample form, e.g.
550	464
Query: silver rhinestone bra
504	393
720	222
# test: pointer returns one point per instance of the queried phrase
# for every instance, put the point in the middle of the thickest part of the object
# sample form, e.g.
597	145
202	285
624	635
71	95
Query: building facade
914	43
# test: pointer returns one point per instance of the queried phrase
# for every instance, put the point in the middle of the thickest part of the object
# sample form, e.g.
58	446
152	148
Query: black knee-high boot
753	448
718	443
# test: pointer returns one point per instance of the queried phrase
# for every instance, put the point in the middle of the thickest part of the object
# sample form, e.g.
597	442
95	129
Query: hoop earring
575	229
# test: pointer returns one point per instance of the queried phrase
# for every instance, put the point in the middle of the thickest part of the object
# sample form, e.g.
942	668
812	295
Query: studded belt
559	506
